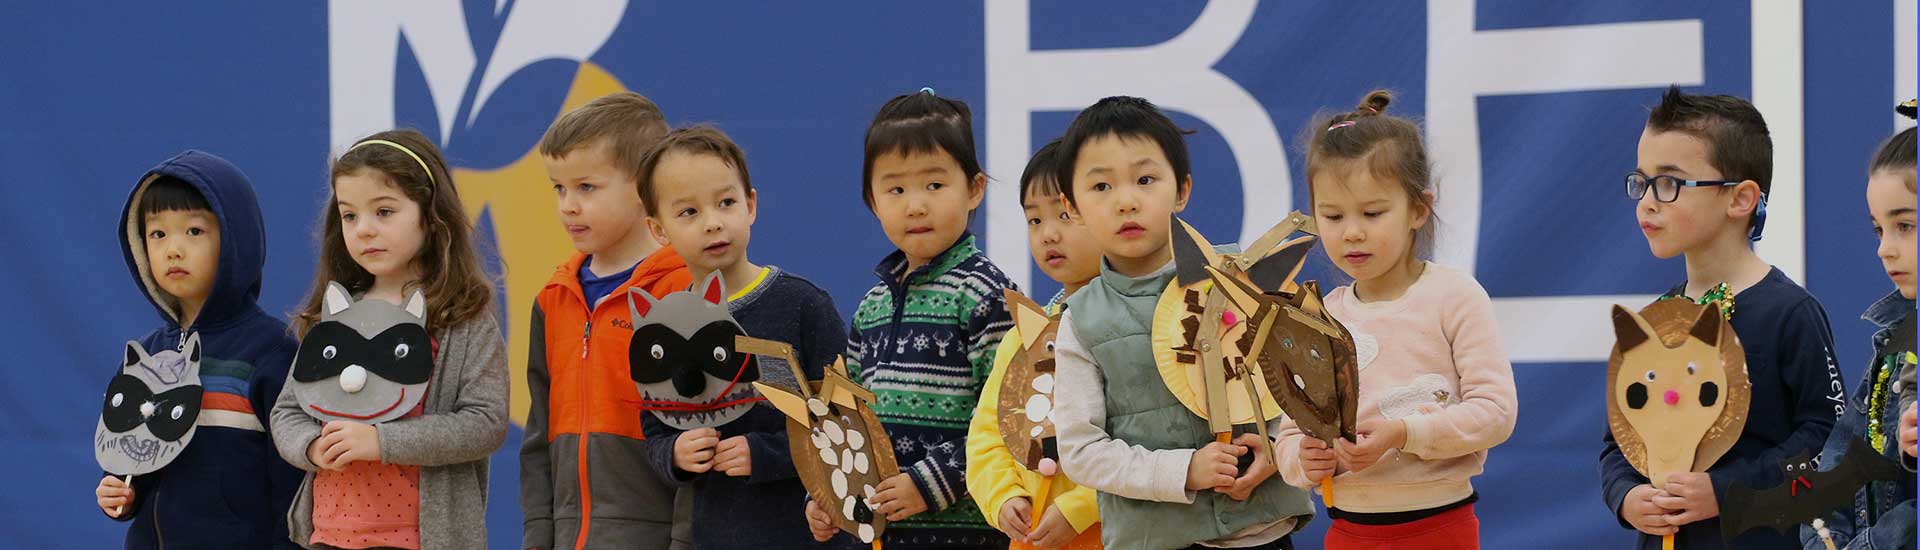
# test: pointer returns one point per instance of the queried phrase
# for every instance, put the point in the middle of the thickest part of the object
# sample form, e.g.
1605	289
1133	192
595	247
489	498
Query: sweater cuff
1419	435
929	480
538	534
1168	480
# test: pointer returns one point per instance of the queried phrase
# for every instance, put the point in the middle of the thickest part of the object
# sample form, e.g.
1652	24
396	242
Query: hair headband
403	149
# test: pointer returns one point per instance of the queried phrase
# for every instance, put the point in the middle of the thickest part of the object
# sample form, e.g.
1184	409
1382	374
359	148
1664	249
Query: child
394	225
1705	164
1883	514
1000	485
923	338
1439	392
194	241
701	202
1163	480
584	480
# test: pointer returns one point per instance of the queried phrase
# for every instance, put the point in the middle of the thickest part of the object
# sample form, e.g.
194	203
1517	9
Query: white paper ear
337	298
417	305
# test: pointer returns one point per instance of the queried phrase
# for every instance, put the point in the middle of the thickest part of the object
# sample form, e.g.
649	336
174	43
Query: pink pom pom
1048	467
1227	318
1673	397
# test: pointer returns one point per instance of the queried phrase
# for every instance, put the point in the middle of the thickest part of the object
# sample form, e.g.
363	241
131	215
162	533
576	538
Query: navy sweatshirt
1797	394
761	511
229	488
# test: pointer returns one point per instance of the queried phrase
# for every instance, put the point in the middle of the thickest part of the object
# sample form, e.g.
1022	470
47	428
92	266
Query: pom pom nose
353	379
1228	319
146	410
1048	467
1672	397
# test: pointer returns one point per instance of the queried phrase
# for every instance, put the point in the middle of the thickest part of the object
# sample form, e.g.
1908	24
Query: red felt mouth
1794	490
390	408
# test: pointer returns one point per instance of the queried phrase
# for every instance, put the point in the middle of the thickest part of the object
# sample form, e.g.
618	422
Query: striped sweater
924	345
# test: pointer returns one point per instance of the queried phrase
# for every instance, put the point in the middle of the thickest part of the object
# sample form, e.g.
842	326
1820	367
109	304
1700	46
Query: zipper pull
182	346
584	335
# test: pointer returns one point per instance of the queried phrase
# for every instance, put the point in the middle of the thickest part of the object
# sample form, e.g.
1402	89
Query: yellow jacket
993	477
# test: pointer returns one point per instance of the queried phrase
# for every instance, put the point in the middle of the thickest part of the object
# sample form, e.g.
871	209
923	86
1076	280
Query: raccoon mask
150	409
366	361
683	359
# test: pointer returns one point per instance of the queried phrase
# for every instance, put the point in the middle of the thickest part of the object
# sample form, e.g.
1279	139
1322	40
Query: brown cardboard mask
1306	357
839	448
1026	388
1677	389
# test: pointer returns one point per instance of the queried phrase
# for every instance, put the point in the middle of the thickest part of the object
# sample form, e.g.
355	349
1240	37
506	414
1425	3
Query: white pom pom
353	379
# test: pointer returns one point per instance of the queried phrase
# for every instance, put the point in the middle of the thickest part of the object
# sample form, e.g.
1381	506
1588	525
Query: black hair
1123	116
1040	176
920	123
169	194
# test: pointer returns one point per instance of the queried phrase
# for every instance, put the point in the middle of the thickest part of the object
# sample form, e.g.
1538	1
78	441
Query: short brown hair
698	140
628	122
1740	146
1389	146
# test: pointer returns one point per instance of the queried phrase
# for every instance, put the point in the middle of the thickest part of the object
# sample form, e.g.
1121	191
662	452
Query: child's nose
1890	247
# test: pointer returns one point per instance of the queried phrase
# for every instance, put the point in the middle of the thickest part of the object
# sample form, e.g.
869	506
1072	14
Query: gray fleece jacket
464	423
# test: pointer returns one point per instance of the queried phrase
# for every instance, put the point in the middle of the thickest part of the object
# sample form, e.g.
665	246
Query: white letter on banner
1021	81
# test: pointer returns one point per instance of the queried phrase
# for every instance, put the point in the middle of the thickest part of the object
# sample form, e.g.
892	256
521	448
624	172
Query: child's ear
753	205
1746	199
1073	212
1183	192
1423	211
976	190
658	231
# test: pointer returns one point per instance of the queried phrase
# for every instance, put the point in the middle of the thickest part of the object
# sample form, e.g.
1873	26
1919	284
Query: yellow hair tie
403	149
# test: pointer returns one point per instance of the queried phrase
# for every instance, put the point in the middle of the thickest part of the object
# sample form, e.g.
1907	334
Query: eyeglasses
1665	188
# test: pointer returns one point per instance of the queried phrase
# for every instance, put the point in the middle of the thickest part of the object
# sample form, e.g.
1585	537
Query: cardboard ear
714	290
192	351
1191	253
1707	327
337	298
1028	317
134	355
417	305
1277	270
638	304
793	406
1629	330
1242	296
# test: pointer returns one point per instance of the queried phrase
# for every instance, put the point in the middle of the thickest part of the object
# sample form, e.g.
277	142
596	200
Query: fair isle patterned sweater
925	347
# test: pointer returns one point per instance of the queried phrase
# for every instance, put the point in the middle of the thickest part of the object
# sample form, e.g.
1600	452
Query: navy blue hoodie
228	489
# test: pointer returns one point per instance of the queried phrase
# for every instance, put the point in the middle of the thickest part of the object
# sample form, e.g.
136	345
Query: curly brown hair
456	288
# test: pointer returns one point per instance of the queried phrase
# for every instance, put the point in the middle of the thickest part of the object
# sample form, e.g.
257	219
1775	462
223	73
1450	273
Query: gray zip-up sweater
464	423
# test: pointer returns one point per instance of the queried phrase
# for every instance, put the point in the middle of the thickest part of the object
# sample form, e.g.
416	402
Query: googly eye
329	352
1649	376
719	353
400	351
118	398
1691	369
178	411
1049	346
658	352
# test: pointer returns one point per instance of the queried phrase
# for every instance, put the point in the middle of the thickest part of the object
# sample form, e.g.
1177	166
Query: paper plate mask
365	361
1201	339
1026	388
839	448
1677	388
150	409
682	357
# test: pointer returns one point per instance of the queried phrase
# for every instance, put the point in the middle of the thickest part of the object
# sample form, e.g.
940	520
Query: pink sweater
1434	360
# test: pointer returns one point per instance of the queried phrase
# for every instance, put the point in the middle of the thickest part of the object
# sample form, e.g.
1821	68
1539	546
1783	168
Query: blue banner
1532	111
